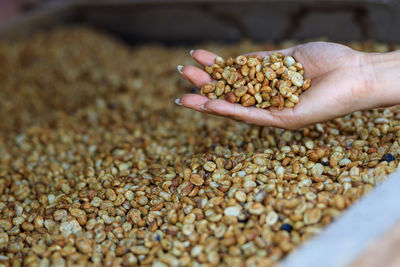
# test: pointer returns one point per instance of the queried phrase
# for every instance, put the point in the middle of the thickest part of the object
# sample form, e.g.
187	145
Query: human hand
343	81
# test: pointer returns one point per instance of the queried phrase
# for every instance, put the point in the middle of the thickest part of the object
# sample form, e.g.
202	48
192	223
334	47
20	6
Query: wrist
381	73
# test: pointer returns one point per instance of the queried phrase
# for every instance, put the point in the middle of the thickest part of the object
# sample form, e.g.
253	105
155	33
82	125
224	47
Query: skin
343	81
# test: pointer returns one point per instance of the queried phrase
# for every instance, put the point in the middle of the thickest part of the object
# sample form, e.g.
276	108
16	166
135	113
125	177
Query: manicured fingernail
191	52
203	108
180	67
178	102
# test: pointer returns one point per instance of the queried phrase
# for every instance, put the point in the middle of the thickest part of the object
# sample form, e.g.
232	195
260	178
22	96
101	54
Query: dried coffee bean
254	74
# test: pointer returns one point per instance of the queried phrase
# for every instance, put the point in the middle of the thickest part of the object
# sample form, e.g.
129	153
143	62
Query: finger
194	101
247	114
204	57
196	76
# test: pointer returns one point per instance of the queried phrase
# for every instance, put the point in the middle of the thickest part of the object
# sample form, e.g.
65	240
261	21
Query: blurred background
11	8
172	21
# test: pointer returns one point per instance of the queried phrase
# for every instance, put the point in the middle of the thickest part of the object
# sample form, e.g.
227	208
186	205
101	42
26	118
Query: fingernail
191	52
180	67
178	102
203	108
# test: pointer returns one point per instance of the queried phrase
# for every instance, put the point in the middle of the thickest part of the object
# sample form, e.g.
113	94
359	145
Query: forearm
382	72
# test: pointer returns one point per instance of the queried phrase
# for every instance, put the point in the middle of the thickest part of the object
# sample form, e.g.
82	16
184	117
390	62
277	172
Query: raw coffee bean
251	75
